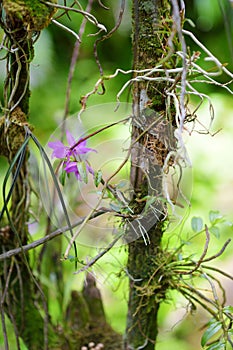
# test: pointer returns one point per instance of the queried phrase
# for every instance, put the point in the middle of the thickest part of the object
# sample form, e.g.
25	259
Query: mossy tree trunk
22	297
147	283
21	21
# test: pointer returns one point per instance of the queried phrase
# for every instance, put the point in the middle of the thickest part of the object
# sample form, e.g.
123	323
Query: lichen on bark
152	26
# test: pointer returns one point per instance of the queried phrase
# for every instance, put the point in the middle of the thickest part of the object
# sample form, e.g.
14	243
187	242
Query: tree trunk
147	285
22	296
17	281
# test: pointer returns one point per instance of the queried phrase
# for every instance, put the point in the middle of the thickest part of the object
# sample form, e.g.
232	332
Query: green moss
24	17
33	14
148	6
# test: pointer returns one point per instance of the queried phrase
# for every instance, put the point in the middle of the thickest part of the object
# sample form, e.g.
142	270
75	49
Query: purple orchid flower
72	156
79	172
61	151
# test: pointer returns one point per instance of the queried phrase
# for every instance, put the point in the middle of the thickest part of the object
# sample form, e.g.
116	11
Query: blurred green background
209	182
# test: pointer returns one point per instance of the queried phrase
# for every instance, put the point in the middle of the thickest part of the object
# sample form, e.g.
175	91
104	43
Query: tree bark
147	286
23	299
18	298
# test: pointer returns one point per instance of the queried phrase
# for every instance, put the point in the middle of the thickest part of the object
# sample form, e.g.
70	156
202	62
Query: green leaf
197	224
98	178
82	171
215	231
216	346
109	194
56	164
229	223
72	258
190	22
121	184
149	202
215	216
210	332
228	309
180	257
115	207
62	177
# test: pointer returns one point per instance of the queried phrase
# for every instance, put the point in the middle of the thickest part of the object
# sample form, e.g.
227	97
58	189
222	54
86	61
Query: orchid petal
89	169
70	167
82	149
70	138
59	150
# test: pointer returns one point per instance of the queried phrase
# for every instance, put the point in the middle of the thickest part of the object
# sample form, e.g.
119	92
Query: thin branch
84	222
72	240
99	131
100	255
201	259
89	16
47	238
212	268
147	72
108	35
67	29
178	26
219	253
73	63
210	55
190	295
102	5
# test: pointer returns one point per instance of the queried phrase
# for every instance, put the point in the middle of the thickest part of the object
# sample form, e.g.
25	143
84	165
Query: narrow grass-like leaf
228	309
62	178
19	156
46	158
210	332
217	346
